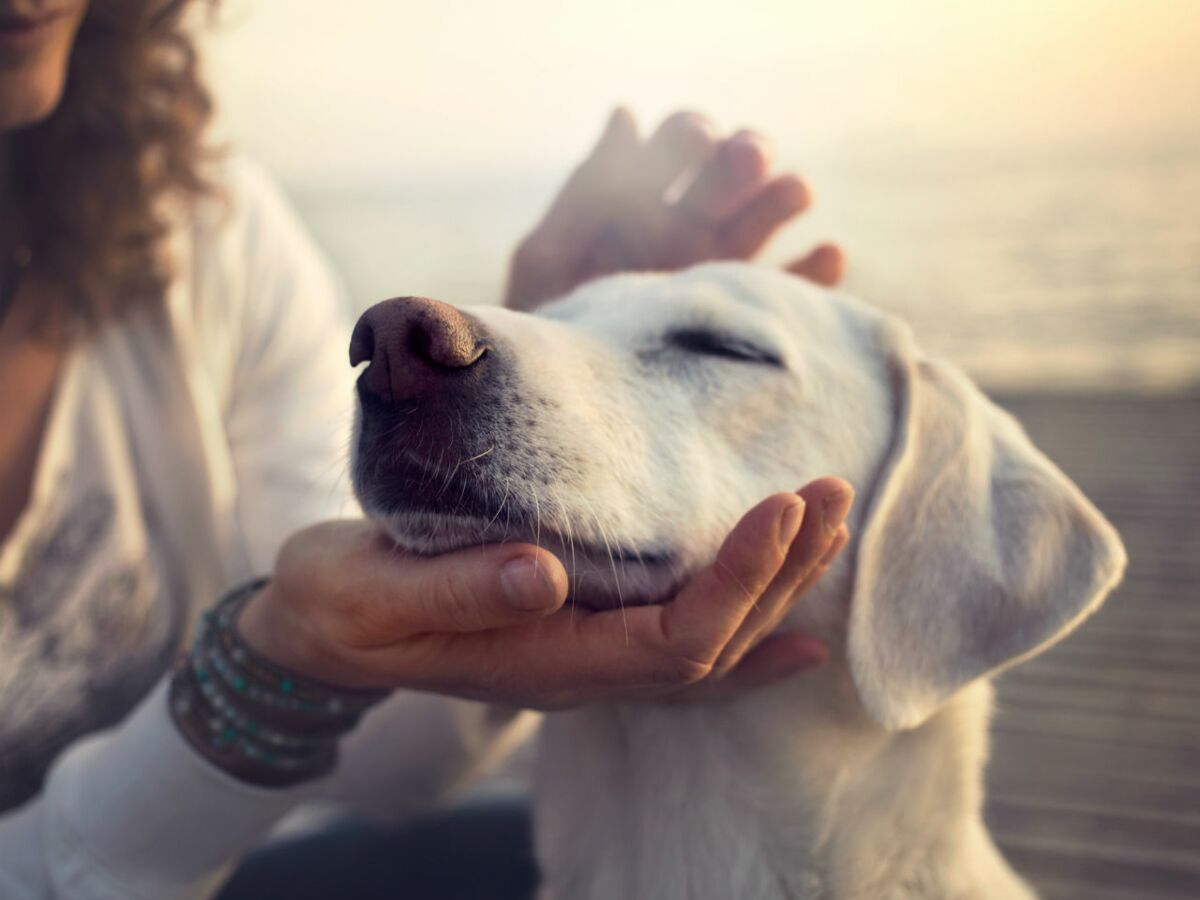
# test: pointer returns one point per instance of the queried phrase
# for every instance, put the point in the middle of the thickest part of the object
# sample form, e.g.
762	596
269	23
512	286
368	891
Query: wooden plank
1143	797
1042	747
1058	889
1129	703
1173	836
1132	677
1113	866
1094	783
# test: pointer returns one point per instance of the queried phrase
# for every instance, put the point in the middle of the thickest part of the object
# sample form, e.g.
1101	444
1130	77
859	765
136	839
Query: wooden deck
1094	784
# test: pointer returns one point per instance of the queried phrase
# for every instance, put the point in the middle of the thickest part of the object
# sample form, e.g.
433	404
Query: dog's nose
415	346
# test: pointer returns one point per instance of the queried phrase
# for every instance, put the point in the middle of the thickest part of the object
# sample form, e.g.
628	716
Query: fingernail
840	539
789	523
837	507
527	585
749	154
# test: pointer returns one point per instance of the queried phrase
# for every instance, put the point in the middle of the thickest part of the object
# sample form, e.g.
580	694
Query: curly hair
93	176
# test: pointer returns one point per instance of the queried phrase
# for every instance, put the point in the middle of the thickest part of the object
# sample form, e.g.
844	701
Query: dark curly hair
93	177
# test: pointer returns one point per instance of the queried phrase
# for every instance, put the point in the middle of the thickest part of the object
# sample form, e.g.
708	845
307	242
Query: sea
1036	272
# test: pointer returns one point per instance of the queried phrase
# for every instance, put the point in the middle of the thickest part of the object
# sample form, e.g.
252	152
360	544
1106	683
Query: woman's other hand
680	197
489	623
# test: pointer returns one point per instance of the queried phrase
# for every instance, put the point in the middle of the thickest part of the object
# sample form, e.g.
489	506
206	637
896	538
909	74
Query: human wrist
303	643
273	635
258	721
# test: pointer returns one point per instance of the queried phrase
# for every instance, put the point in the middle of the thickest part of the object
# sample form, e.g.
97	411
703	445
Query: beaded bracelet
259	722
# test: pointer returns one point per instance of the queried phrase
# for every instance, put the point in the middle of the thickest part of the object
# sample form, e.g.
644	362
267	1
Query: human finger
737	169
574	656
748	229
475	589
840	539
827	502
646	647
584	199
683	141
698	623
824	265
544	263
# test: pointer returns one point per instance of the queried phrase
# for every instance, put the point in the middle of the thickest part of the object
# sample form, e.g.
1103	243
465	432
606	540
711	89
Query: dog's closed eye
720	344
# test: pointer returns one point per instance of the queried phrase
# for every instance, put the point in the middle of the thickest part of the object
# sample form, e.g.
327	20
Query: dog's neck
788	792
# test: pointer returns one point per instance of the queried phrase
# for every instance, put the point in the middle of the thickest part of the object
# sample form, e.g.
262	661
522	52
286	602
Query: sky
362	90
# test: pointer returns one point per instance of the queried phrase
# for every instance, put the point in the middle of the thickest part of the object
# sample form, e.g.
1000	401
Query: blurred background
1020	180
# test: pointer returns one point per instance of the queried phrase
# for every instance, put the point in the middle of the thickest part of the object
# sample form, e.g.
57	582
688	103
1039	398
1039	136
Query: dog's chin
598	579
432	534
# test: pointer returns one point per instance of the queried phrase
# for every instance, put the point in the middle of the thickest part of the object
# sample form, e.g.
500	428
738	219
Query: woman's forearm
135	813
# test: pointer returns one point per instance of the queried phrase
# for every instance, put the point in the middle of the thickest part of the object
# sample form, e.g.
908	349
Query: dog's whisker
437	467
500	509
507	517
564	521
458	465
611	561
449	477
574	564
462	492
480	455
537	516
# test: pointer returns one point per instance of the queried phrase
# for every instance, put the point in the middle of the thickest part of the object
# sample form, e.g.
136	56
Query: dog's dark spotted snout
429	399
417	348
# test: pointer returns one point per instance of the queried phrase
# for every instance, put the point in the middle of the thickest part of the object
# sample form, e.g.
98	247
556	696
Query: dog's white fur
971	551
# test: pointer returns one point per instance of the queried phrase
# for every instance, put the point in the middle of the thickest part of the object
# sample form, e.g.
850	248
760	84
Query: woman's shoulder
250	278
247	203
245	227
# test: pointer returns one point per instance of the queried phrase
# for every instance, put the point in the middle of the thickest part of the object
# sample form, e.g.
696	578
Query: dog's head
629	425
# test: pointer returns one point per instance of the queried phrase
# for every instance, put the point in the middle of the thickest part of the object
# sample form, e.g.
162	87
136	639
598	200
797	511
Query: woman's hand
488	623
679	197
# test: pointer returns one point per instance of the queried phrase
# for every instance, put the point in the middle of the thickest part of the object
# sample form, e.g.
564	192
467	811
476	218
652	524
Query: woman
174	393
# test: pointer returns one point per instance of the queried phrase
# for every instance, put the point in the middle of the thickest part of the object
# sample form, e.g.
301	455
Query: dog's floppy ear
976	551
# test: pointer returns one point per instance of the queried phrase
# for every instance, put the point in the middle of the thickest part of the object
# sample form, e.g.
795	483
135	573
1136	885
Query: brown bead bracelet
255	720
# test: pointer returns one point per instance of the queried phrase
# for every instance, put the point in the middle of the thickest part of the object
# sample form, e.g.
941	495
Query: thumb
824	265
474	589
591	190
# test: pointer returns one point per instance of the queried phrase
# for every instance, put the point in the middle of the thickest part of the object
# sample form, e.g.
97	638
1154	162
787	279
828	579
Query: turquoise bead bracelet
258	721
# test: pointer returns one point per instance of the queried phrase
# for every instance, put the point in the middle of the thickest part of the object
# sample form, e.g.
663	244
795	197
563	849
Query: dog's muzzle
429	397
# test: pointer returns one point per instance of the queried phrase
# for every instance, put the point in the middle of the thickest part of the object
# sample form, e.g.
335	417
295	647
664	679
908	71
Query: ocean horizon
1077	272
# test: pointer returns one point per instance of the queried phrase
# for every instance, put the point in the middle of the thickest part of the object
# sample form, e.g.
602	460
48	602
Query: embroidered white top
184	445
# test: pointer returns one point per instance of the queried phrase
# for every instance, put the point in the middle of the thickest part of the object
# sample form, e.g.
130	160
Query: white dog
627	427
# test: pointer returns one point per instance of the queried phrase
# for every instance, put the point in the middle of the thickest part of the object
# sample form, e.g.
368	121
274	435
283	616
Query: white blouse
184	445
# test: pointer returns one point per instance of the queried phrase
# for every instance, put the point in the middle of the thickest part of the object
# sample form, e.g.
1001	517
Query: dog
626	427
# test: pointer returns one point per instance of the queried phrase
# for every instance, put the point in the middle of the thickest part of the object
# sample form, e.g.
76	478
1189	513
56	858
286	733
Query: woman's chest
29	373
87	623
